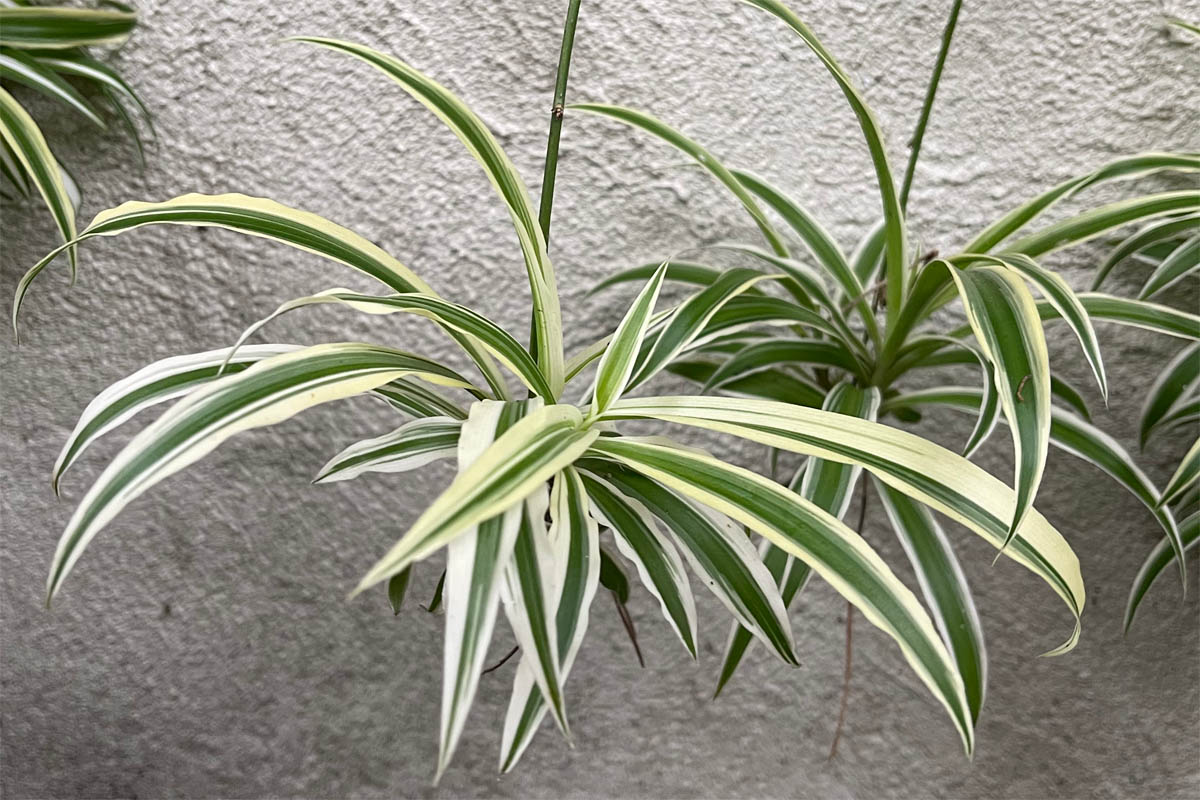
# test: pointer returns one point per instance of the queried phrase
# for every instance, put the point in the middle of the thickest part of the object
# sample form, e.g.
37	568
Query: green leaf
680	271
944	587
640	539
818	241
25	141
1093	222
1158	560
411	446
1003	315
270	392
512	467
836	553
1179	379
475	565
396	589
718	552
1128	167
775	352
1157	231
1187	474
695	150
612	577
806	285
893	214
59	28
479	141
766	384
1183	260
620	357
578	560
921	469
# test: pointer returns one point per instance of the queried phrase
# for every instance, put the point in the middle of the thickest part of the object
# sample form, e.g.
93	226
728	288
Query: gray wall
203	646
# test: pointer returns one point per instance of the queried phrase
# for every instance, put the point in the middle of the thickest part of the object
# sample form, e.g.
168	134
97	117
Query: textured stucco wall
203	646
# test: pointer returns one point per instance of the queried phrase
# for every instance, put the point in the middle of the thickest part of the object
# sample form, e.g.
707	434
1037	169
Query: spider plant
539	476
45	48
993	276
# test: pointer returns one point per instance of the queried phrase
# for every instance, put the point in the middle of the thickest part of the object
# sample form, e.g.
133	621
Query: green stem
927	107
546	205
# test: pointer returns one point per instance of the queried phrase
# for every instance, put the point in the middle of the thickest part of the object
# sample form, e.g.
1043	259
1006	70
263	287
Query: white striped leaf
921	469
257	216
475	566
779	565
79	65
893	214
1123	168
775	352
1178	380
839	555
451	316
1186	475
829	485
620	357
530	595
816	239
1158	560
1182	261
695	150
944	587
677	270
963	353
254	216
22	68
767	384
1003	315
679	331
30	27
718	551
1060	295
575	540
25	142
527	455
1157	231
156	383
642	541
410	446
807	287
819	242
419	401
1096	221
270	392
503	175
1077	437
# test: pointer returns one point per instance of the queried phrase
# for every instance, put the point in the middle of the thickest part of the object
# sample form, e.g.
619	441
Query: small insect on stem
1021	386
557	111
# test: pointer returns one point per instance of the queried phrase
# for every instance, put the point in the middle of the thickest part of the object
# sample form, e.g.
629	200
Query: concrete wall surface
203	646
